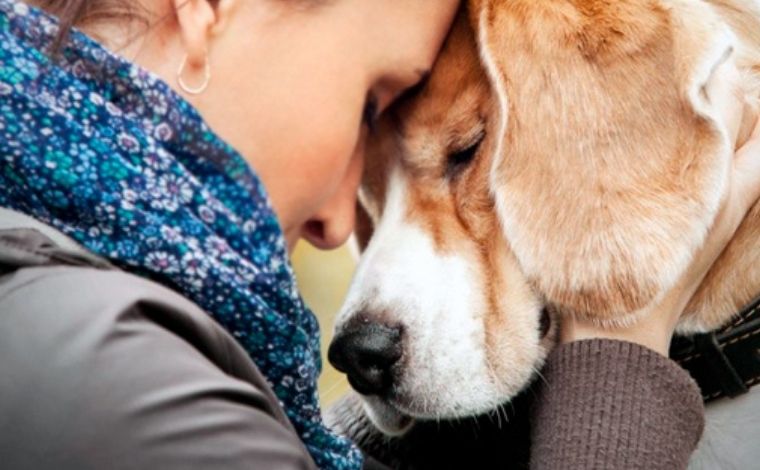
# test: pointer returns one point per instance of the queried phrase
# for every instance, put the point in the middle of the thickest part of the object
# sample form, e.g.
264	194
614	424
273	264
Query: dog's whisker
327	394
506	413
540	376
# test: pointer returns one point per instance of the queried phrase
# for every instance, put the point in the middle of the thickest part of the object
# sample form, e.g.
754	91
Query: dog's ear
611	163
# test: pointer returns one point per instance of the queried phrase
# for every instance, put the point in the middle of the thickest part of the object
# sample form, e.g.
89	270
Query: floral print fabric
108	154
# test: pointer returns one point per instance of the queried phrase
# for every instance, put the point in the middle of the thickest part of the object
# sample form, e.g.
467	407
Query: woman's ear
225	9
199	21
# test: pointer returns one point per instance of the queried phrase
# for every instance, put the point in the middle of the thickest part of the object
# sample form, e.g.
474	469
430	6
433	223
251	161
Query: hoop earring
189	89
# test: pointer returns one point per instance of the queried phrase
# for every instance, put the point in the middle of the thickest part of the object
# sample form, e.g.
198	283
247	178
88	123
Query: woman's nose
331	226
329	232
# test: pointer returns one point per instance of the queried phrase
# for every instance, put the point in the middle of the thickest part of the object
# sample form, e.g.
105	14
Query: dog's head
563	156
439	315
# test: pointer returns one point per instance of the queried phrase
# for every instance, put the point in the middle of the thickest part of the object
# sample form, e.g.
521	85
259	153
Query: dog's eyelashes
459	160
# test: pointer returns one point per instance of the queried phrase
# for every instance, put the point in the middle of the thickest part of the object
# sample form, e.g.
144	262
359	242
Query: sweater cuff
613	404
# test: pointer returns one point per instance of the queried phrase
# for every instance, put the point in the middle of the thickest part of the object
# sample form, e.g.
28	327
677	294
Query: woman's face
295	86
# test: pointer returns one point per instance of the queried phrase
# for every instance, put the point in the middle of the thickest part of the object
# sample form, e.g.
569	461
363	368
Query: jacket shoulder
48	300
82	288
112	370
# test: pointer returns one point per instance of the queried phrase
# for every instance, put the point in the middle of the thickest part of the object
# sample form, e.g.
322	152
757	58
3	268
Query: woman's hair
83	13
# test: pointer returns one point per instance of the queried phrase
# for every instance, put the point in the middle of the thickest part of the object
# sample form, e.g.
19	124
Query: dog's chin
386	418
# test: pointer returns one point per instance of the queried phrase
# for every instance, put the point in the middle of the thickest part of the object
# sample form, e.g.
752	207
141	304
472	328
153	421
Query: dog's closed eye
458	160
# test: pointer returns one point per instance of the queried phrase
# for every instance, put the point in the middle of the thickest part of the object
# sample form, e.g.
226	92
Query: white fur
731	430
438	300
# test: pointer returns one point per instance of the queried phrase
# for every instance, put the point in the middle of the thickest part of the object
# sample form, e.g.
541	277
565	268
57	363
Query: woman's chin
386	418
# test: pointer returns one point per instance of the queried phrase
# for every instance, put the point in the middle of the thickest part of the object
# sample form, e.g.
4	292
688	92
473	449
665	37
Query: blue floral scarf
108	154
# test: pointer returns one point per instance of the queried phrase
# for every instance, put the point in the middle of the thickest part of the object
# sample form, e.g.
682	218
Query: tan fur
604	137
612	168
735	278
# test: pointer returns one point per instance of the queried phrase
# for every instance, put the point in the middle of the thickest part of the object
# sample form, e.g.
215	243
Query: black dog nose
366	352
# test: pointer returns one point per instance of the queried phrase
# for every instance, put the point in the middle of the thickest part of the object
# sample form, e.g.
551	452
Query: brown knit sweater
607	404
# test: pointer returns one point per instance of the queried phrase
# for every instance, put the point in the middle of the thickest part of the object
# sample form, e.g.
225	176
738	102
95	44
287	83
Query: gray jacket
100	369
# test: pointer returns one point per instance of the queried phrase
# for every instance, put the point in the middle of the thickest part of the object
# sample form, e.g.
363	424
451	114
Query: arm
613	404
610	397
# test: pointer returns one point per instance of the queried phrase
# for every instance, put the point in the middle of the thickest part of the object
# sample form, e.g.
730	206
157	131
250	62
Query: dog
564	157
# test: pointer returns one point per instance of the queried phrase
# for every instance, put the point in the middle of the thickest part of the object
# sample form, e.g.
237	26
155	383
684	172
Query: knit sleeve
607	404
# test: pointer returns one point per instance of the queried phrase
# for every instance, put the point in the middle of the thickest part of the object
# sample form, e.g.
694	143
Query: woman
121	160
139	145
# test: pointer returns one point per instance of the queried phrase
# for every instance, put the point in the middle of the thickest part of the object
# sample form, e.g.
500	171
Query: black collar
725	362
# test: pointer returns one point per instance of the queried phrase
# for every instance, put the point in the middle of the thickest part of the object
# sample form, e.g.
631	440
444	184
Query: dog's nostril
366	352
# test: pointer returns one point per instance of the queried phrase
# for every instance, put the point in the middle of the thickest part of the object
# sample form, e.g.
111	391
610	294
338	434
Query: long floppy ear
611	162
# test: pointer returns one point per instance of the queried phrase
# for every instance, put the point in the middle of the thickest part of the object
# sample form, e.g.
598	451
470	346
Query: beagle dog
564	157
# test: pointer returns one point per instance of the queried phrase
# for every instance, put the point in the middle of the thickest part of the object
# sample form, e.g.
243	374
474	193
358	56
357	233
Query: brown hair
82	13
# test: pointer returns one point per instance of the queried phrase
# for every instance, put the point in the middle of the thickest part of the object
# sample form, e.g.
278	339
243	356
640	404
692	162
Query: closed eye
459	160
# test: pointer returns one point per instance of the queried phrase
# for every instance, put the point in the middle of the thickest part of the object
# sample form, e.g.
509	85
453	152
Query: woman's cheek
324	167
